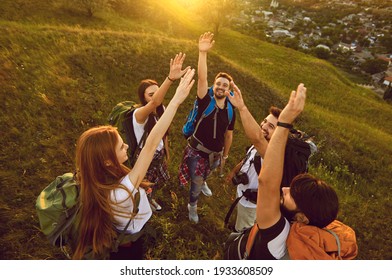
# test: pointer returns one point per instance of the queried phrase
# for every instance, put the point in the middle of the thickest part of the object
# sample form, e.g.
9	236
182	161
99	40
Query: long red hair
99	173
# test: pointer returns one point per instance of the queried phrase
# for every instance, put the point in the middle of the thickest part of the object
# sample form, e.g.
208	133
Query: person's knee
195	190
198	180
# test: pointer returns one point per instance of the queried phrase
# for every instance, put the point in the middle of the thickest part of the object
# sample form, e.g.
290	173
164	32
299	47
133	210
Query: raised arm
205	44
143	162
270	177
175	73
252	128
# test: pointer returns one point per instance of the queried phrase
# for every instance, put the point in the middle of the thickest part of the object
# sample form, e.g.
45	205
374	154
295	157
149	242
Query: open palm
206	41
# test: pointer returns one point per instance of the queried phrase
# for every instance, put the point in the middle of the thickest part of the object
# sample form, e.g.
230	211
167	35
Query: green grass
61	73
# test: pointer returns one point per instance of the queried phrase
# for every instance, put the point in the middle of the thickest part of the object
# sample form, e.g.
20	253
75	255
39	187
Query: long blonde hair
99	173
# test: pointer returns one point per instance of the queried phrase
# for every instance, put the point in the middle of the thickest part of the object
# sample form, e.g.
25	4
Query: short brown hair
317	200
275	111
223	75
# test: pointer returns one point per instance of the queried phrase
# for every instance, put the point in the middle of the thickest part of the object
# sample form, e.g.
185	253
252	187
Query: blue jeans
197	181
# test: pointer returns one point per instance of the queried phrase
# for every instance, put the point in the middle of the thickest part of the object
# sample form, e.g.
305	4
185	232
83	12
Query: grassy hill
61	73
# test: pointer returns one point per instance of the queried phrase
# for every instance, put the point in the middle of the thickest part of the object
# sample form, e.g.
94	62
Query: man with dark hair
246	173
312	203
210	143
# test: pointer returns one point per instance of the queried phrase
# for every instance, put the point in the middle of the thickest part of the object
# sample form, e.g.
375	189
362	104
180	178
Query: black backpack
243	246
299	148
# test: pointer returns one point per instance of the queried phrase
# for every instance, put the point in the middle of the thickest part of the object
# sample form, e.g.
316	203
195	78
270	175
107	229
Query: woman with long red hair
108	188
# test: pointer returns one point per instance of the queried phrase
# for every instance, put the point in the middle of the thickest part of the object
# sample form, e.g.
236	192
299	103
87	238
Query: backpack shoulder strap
228	215
229	110
257	163
210	108
134	211
251	240
337	240
211	91
135	236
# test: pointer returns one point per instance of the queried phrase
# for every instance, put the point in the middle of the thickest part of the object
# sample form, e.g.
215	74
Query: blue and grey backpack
191	122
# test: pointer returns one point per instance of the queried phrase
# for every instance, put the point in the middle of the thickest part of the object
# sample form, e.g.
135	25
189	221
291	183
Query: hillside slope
58	79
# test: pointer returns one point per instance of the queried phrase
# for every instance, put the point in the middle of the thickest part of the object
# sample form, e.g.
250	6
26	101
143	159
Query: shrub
90	6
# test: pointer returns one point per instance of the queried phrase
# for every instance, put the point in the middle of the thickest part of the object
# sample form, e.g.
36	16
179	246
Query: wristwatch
285	125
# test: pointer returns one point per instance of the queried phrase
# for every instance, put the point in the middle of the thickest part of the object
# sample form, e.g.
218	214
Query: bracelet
285	125
170	79
225	157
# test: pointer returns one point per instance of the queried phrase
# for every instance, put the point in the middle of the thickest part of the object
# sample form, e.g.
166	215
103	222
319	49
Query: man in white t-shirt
245	173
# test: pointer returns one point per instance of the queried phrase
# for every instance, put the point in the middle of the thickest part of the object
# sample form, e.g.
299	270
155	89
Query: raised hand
206	42
176	65
235	99
184	87
295	105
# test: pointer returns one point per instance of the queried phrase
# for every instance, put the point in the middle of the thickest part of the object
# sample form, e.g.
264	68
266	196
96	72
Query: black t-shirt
205	130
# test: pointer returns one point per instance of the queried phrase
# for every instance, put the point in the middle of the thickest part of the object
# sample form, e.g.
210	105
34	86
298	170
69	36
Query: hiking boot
155	206
206	190
193	217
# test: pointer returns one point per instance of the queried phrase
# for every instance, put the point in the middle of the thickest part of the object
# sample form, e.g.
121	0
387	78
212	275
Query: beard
288	214
220	96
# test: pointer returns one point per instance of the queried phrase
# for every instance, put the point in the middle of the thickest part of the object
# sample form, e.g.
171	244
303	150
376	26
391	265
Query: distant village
298	29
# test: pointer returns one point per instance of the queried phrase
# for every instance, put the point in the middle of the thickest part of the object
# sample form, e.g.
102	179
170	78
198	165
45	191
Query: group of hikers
296	219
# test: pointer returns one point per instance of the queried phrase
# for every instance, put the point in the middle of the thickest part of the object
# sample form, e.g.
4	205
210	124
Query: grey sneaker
193	217
155	205
206	190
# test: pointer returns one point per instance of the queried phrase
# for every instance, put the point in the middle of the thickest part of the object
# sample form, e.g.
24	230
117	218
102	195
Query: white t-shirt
248	167
139	130
122	202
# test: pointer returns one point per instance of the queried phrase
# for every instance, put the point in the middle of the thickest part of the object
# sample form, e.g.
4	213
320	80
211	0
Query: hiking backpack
121	117
243	246
192	123
298	150
57	209
239	245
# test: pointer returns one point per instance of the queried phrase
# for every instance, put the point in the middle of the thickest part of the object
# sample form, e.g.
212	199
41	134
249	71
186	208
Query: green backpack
57	209
121	117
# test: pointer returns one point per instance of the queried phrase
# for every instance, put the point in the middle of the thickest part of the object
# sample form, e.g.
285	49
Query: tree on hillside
291	43
130	8
90	6
218	12
322	53
373	66
386	42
